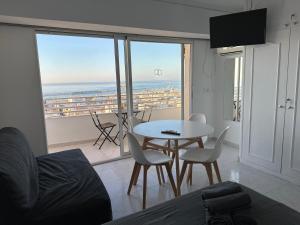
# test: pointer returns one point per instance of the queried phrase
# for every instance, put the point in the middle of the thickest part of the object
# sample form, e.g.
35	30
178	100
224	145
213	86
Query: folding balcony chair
104	128
142	120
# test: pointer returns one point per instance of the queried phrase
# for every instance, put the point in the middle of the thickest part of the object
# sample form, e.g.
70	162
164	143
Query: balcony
70	126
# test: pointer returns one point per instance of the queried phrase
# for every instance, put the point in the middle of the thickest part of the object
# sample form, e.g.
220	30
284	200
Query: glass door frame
119	96
128	40
115	39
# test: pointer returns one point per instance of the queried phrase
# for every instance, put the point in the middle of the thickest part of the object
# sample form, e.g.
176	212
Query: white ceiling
221	5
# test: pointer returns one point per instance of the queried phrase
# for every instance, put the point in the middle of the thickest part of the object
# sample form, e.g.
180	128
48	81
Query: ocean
66	90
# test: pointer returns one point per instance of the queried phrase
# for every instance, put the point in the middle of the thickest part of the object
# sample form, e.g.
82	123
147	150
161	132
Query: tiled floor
95	155
116	175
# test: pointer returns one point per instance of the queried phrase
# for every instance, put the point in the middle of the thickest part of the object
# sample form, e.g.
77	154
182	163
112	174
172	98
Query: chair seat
107	125
196	155
155	157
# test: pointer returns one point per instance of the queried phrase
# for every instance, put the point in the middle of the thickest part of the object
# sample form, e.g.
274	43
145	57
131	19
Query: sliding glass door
92	84
156	74
80	93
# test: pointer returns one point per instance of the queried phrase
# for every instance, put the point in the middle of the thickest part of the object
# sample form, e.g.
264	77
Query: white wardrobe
271	106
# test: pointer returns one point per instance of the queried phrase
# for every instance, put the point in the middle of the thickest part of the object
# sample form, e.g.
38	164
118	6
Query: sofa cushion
18	173
70	191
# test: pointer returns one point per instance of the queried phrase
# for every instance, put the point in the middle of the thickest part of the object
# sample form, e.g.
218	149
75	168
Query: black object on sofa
60	188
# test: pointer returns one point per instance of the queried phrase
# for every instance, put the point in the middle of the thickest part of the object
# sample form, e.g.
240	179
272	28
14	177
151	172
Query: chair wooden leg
189	179
209	172
139	168
145	186
188	174
162	174
132	177
183	171
169	172
158	174
136	176
191	174
200	143
173	158
216	167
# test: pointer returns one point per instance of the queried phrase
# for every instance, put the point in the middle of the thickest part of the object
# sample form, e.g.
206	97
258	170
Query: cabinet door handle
291	107
288	100
281	106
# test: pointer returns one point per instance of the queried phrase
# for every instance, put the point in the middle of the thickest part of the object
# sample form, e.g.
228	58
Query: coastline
77	105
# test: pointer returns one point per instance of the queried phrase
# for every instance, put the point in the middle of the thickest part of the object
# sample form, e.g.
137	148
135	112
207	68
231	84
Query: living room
215	113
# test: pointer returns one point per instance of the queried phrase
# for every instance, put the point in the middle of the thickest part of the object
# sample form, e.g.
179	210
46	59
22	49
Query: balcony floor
95	155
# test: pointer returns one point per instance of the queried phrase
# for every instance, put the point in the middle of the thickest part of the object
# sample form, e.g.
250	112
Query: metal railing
80	105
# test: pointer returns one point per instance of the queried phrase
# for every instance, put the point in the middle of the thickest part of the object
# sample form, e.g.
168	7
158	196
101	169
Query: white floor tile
116	175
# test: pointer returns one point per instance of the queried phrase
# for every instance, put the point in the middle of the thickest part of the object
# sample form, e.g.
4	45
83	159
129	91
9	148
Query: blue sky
65	59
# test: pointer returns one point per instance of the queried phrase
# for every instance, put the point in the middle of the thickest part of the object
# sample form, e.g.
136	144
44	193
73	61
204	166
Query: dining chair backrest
150	114
199	117
216	152
133	121
94	118
136	150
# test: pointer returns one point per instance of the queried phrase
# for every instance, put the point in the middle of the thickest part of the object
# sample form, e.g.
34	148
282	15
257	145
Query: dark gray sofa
189	210
60	188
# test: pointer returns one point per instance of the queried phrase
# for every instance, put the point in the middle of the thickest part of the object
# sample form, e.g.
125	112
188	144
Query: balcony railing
80	105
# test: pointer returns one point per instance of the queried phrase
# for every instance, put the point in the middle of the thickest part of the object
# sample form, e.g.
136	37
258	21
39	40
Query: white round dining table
188	130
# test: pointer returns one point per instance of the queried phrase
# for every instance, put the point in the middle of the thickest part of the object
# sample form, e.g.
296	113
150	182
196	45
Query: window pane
156	79
78	77
77	73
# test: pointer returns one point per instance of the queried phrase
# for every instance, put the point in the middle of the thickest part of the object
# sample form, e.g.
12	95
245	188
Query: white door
263	105
291	147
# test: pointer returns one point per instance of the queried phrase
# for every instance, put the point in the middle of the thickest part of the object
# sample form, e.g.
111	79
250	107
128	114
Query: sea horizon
88	89
108	82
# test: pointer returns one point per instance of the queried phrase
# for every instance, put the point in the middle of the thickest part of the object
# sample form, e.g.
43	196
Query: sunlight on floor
95	155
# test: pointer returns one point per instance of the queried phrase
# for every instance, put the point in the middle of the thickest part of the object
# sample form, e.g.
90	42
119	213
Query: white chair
199	117
156	144
145	159
206	157
133	121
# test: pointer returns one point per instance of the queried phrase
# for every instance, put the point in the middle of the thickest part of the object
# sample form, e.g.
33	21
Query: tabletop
187	129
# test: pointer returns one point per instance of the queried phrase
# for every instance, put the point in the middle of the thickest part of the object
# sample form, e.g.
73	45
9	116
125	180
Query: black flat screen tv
238	29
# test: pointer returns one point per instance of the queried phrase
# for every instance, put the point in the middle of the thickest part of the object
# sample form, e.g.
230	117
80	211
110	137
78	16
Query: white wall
20	92
203	80
279	11
132	13
233	134
208	89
